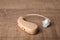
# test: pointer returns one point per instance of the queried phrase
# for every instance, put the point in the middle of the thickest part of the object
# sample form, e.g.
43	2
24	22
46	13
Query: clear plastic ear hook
45	23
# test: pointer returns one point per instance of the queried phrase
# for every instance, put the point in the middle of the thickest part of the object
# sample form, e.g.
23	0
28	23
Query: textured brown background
10	10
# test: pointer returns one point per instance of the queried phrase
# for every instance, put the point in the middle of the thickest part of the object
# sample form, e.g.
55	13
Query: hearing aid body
30	27
27	26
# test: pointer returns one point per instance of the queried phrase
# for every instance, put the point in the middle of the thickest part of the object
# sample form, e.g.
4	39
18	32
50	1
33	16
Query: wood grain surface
10	10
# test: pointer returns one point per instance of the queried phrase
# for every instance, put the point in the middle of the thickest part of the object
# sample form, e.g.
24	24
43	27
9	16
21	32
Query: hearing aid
30	27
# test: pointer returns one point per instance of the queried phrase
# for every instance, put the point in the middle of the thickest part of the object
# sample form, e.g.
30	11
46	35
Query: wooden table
10	10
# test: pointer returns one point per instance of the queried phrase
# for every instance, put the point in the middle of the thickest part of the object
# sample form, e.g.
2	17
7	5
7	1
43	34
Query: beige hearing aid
30	27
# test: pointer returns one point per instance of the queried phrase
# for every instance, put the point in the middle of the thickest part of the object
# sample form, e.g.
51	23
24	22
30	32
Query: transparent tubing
45	22
35	15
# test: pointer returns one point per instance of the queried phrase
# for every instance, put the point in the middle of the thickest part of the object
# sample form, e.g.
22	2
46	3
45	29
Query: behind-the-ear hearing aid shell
27	26
30	27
